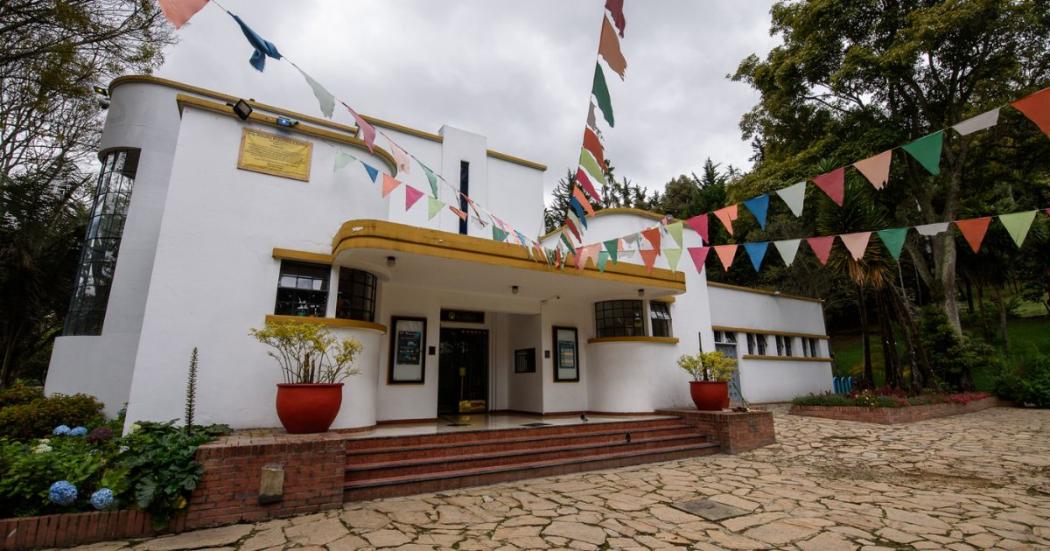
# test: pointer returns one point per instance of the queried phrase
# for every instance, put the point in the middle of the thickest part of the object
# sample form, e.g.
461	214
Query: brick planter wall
736	432
893	416
72	529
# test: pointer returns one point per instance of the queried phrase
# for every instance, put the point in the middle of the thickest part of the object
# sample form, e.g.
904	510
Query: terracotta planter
307	408
709	395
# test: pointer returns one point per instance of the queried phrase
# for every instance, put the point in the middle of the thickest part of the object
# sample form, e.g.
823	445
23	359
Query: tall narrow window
756	344
660	316
464	190
783	345
98	258
302	289
357	295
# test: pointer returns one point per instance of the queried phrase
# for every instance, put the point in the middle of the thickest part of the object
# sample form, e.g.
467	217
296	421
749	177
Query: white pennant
980	122
787	248
932	229
794	196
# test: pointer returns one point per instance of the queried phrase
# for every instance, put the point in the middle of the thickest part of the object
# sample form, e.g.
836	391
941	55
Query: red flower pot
709	395
306	408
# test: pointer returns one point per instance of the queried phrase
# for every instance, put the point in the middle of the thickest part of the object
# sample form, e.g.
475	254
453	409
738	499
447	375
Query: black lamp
242	109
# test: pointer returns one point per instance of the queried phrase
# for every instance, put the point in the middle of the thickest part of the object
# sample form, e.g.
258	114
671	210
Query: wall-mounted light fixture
514	289
242	109
391	262
641	292
286	122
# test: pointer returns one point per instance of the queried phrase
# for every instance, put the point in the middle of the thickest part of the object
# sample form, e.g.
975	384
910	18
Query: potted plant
711	373
314	364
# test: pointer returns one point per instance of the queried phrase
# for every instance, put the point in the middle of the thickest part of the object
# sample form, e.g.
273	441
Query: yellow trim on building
613	210
762	291
302	256
337	323
668	300
380	234
516	160
654	340
767	332
785	358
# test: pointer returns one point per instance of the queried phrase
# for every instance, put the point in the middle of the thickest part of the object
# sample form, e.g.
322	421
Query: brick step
413	484
540	440
425	464
356	445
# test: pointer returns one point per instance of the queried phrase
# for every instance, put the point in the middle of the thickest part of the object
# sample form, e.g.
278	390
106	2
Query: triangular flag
578	194
342	159
876	169
325	99
726	216
699	256
1018	224
577	208
372	171
591	122
833	183
930	230
821	247
566	240
615	8
498	234
583	180
856	243
263	47
758	207
894	238
365	130
573	224
613	246
462	215
794	196
590	164
987	119
653	236
178	12
927	151
757	251
674	229
594	145
699	225
432	178
601	94
609	49
411	196
434	206
1037	108
973	230
673	255
649	257
603	259
404	162
389	184
725	254
787	248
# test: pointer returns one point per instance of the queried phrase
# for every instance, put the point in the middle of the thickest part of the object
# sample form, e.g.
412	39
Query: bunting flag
876	169
794	196
590	164
601	93
833	184
263	48
585	182
856	243
342	159
1018	224
927	151
325	99
577	193
178	12
649	258
652	235
674	229
821	247
365	130
673	255
411	196
577	208
893	238
609	49
592	123
389	184
973	230
787	248
987	119
462	215
434	206
758	207
565	239
725	254
573	223
593	144
615	8
372	171
699	256
603	260
432	178
403	161
757	251
930	230
613	246
699	225
1037	108
726	216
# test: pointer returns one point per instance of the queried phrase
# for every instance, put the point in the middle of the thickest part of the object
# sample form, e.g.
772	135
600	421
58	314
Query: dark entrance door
463	370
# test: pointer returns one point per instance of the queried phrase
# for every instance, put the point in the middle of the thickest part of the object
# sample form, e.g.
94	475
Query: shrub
1029	383
40	416
886	398
708	366
309	352
953	358
28	473
19	394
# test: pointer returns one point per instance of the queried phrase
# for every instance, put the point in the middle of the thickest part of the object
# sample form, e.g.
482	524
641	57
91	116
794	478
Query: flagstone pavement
977	481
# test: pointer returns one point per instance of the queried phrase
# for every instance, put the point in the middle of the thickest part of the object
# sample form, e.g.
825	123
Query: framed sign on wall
408	343
275	155
566	355
525	360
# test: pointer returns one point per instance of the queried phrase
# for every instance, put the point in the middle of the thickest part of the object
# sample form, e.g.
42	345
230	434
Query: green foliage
19	394
191	390
26	473
308	352
40	416
708	366
886	398
953	358
1027	383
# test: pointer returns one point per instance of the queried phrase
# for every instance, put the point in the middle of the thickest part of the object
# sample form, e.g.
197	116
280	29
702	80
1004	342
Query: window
302	289
725	342
756	344
98	257
619	318
660	316
464	190
809	347
783	345
356	298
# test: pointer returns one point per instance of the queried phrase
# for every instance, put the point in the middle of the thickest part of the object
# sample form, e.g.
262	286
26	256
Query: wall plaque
275	155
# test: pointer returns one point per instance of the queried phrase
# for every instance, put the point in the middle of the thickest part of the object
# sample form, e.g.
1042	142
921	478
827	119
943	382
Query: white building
188	250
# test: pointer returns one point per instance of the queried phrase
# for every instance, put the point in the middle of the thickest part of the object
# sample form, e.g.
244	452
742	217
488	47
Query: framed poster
566	355
525	360
408	344
275	155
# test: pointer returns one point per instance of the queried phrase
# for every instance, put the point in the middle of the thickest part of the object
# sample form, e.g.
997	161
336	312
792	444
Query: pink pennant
821	247
726	253
365	130
178	12
404	162
699	225
653	236
699	256
389	184
727	215
649	258
856	243
458	212
876	169
584	181
833	183
411	196
973	230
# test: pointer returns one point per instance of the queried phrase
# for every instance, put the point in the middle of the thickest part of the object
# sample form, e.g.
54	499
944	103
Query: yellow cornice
380	234
302	256
762	291
654	340
338	323
767	332
613	210
516	160
786	358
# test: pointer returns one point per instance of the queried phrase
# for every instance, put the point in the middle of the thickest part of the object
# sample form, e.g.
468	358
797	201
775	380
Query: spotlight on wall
101	91
242	109
641	292
391	262
514	289
286	122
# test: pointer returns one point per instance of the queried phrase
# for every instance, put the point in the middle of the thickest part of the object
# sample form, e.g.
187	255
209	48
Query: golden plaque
275	155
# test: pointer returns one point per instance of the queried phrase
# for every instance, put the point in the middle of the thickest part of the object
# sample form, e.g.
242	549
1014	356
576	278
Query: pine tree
191	390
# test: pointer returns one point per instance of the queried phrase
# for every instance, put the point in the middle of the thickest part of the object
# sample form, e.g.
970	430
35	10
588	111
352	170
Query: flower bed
888	409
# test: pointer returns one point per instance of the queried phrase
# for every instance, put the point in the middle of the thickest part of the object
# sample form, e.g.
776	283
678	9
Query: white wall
781	380
736	308
525	390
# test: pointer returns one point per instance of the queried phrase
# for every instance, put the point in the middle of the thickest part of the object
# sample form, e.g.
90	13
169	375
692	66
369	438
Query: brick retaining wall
72	529
736	432
893	416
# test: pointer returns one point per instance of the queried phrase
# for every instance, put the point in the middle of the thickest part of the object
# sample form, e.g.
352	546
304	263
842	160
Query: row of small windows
626	318
725	342
302	290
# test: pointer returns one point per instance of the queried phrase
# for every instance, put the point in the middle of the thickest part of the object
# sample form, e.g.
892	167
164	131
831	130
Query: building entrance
463	371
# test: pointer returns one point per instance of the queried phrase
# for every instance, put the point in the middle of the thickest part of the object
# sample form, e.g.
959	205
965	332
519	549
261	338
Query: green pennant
1018	224
433	180
498	234
434	206
927	150
565	239
894	240
675	230
601	93
673	255
342	159
589	164
613	247
603	258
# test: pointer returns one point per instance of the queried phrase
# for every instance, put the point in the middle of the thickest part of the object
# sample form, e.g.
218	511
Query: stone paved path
978	481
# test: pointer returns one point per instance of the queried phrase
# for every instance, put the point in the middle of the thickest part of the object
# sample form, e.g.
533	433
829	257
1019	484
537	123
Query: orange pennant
649	257
726	253
609	49
973	230
653	236
458	212
582	198
389	184
876	169
1037	108
727	215
594	145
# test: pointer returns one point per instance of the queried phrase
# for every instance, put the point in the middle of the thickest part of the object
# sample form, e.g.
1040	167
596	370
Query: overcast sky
517	72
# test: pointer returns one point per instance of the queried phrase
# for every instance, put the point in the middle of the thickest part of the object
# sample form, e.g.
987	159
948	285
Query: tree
52	54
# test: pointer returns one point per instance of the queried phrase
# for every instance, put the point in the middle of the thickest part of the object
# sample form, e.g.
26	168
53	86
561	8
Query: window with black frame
660	317
619	318
756	344
725	342
302	289
356	297
783	346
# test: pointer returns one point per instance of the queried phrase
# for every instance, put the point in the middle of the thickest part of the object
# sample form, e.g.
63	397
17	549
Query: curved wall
624	376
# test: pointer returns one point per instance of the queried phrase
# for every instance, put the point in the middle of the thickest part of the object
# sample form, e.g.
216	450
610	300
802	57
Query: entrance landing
494	421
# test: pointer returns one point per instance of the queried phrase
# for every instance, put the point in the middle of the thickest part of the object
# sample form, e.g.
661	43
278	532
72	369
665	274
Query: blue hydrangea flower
78	431
102	499
61	430
62	493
